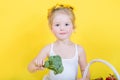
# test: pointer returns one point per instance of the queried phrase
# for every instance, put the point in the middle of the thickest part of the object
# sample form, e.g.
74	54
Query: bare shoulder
45	51
80	49
81	55
46	48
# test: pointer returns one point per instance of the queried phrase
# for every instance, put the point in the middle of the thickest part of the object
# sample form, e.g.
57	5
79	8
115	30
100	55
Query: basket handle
102	61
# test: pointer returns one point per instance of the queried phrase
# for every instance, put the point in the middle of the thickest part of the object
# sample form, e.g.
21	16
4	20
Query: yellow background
24	32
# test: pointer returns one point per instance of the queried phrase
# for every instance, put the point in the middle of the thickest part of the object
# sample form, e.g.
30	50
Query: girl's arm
82	61
38	62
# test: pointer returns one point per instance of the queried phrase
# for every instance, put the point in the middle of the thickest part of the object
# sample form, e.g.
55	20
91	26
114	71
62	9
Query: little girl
61	20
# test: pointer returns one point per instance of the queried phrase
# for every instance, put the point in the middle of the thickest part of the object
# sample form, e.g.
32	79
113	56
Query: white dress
70	68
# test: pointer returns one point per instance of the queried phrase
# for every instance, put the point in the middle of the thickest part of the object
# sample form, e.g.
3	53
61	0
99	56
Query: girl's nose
61	28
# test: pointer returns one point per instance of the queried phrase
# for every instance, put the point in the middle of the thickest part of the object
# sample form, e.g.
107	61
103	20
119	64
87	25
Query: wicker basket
102	61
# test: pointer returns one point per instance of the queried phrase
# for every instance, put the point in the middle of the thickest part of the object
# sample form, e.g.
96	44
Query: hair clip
58	6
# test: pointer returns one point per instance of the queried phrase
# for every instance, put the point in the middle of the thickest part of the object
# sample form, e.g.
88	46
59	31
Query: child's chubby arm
38	62
82	61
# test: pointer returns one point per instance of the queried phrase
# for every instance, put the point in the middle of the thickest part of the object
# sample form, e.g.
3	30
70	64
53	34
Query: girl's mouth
63	33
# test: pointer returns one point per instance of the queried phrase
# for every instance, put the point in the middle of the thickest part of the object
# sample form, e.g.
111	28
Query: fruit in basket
111	77
54	63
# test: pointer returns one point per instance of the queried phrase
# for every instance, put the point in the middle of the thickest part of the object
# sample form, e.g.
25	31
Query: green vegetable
54	63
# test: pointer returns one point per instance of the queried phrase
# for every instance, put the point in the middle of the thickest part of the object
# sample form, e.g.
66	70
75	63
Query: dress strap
76	51
51	49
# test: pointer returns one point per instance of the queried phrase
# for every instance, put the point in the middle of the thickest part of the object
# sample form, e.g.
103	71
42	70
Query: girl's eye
66	24
57	25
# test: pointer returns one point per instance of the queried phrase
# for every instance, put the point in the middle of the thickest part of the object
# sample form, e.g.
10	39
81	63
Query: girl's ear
51	30
74	30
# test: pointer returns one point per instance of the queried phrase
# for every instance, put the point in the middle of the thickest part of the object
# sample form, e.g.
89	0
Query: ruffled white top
70	67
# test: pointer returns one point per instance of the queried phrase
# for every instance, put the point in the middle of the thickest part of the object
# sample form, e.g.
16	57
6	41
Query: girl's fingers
35	63
39	63
41	68
43	62
37	68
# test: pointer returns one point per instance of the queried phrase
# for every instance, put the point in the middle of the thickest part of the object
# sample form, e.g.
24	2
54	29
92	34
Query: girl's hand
39	64
79	79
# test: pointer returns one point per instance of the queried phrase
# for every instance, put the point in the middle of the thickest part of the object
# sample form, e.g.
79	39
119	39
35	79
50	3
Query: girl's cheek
54	30
70	30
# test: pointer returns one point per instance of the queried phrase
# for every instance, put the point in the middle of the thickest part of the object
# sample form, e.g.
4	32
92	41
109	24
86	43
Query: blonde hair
65	8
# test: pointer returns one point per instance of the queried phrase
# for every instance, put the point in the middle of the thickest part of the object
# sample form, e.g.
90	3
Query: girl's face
62	26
